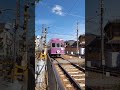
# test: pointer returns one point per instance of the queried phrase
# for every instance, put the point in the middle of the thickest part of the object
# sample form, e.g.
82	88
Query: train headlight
58	51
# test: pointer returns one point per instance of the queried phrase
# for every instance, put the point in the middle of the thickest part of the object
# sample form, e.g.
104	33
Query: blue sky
61	17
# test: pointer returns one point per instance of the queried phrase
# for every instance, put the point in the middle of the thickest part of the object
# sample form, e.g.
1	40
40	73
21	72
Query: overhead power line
72	6
92	18
60	34
67	13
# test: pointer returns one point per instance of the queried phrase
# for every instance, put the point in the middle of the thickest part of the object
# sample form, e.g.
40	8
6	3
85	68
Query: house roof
115	40
70	42
89	38
94	42
74	44
112	23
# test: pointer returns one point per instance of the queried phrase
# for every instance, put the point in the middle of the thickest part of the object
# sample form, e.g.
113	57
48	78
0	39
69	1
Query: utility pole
42	36
102	35
17	19
45	53
25	58
77	40
18	14
44	42
16	26
25	29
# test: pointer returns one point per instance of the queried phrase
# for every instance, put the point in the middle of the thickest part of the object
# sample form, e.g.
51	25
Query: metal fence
54	82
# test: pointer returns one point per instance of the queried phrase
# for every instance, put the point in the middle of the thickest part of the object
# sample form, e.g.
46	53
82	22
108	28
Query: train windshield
58	45
62	45
53	44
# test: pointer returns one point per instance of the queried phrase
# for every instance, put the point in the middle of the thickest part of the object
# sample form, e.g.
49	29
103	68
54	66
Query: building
11	42
93	52
82	40
6	40
112	34
38	43
111	46
71	45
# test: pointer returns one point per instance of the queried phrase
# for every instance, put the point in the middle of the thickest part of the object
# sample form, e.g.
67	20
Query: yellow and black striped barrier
43	56
24	71
13	74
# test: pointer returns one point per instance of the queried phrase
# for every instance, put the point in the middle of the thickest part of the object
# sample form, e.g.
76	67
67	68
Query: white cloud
57	9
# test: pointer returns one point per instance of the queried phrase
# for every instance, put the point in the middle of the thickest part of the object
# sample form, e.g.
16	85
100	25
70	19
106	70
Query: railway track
100	70
71	75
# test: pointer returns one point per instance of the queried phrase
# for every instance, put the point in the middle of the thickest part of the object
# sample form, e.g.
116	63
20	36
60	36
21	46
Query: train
56	47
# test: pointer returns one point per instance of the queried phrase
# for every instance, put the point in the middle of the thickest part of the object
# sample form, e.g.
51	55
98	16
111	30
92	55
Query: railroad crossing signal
43	56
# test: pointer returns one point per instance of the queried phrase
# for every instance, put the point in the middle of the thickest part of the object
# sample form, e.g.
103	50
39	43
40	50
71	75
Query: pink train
56	47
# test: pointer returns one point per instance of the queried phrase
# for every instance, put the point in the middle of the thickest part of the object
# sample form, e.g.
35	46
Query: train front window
53	44
62	45
58	45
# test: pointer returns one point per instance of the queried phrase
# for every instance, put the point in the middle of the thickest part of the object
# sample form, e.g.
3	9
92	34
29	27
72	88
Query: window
116	31
62	45
58	45
53	44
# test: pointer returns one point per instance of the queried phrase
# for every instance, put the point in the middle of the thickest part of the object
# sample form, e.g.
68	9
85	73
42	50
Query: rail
100	70
75	84
72	80
54	82
80	68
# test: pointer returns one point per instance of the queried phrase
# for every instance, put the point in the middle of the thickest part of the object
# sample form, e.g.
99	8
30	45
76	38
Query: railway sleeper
69	87
75	72
77	77
70	78
70	75
67	83
81	81
82	85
